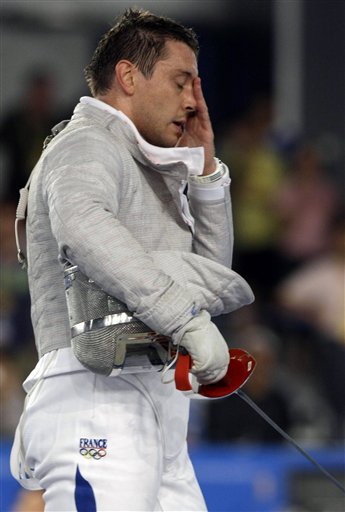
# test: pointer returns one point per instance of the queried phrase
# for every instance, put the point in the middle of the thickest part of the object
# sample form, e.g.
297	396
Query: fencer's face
162	103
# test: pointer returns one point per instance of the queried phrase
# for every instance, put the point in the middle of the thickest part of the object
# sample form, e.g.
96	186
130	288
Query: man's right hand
207	348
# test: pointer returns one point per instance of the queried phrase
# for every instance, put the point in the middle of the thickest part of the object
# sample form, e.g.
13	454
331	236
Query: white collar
193	158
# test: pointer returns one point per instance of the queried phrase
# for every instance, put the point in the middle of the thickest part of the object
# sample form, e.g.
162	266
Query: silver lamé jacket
97	201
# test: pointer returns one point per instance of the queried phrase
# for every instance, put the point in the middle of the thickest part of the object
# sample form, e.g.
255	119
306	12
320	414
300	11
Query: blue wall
260	478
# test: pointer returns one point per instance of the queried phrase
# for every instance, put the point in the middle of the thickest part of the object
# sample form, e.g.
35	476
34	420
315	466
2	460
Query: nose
189	102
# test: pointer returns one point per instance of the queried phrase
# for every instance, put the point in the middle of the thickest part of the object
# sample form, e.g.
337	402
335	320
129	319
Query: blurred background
273	74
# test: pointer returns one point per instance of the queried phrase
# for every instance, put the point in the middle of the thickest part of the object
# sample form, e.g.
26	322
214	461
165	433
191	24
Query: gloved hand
207	348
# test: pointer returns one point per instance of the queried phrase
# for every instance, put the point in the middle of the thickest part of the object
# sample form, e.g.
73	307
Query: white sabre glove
207	348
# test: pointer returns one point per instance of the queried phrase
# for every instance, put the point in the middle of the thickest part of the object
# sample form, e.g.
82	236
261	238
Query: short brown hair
138	36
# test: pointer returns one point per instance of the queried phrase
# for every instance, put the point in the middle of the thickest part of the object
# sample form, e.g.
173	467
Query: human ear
124	72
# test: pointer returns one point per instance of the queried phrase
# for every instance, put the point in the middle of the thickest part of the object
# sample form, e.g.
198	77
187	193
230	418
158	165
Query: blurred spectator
257	170
17	347
291	400
16	339
15	320
305	202
316	364
314	292
23	130
312	300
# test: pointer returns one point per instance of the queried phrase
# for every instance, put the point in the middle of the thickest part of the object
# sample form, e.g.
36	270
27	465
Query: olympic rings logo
93	453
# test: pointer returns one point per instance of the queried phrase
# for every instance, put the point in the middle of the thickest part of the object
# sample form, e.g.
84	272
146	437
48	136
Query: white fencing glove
207	348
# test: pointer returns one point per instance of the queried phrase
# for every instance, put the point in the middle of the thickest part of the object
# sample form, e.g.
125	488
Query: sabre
286	436
242	365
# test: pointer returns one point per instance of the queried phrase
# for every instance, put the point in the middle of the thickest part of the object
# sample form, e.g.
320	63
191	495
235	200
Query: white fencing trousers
97	444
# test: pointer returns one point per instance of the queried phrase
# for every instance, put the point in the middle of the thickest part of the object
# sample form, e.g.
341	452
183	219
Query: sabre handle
183	366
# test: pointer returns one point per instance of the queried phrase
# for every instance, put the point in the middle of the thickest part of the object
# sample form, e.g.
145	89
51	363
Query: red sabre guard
240	368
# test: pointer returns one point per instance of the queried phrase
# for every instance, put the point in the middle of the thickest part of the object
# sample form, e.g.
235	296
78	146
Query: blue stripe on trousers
83	495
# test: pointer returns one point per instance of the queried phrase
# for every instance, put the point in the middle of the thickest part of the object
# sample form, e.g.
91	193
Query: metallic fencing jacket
98	201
